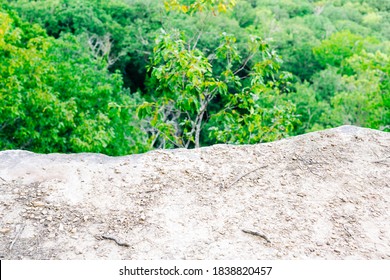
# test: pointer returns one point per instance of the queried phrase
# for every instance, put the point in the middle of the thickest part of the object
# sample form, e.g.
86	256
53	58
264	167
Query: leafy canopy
56	97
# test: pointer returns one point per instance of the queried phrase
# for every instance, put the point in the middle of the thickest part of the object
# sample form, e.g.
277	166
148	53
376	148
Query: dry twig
249	172
16	237
255	233
100	237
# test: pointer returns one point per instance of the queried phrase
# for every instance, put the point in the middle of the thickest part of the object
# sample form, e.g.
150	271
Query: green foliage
193	6
327	82
186	86
366	98
56	97
310	109
338	47
123	34
64	86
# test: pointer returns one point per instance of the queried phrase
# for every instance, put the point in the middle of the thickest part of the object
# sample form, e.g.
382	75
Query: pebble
38	203
5	230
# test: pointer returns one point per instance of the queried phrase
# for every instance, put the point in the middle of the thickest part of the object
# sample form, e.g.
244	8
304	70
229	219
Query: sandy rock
321	195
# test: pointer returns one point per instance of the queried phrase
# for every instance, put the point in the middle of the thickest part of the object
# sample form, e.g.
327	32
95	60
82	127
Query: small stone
5	230
61	227
51	235
49	218
38	203
44	212
337	251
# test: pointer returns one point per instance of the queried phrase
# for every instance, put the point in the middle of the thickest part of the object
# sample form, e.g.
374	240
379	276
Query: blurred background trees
127	76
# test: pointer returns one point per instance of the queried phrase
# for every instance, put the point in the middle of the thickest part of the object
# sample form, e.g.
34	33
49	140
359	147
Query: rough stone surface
323	195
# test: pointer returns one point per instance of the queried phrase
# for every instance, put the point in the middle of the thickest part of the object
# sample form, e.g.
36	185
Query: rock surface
323	195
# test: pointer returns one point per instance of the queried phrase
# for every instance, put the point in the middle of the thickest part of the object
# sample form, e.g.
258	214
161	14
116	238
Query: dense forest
127	76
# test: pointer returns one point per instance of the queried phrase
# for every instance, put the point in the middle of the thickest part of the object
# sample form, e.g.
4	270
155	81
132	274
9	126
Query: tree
185	87
366	98
56	97
338	47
